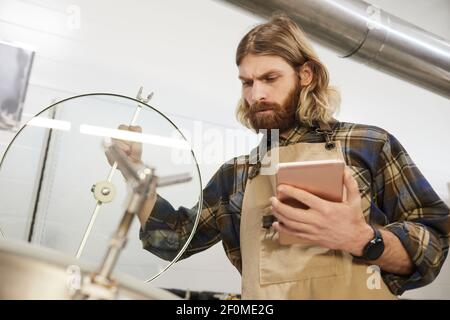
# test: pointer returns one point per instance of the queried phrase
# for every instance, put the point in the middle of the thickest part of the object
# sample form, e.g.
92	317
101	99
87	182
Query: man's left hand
334	225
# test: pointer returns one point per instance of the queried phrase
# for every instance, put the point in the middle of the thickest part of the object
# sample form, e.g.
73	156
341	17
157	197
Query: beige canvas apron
298	271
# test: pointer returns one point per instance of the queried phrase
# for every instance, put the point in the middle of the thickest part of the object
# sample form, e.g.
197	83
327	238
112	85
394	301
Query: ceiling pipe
361	31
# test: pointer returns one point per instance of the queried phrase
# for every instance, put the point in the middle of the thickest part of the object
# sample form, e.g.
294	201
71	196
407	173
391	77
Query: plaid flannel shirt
401	200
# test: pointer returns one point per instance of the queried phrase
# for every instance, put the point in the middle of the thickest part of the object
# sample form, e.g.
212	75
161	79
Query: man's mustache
262	106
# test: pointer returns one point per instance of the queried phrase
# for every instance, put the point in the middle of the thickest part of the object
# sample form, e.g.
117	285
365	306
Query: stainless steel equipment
28	271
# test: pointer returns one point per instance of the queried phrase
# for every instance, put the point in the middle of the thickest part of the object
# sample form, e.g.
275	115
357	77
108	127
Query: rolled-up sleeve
415	214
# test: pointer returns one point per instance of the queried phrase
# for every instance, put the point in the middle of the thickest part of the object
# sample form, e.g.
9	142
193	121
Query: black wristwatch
374	248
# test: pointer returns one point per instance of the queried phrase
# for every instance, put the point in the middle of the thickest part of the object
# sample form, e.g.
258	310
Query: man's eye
246	83
271	79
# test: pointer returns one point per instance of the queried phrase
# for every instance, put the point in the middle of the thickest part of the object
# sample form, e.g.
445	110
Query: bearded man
390	219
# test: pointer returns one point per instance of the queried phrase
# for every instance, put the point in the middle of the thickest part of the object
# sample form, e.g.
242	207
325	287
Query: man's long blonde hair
282	37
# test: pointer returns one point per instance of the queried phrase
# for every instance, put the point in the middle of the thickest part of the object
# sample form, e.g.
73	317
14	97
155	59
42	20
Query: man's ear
306	74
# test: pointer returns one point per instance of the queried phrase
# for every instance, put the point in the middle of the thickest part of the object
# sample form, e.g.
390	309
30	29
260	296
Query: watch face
375	249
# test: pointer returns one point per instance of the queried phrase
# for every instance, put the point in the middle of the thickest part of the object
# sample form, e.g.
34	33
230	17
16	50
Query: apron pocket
279	263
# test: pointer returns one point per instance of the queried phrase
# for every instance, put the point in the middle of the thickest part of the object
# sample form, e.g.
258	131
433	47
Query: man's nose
258	93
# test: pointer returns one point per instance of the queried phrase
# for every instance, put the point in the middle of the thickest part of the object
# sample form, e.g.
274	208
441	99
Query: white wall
184	52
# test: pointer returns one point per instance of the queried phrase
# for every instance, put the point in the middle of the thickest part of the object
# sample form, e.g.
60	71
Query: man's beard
281	117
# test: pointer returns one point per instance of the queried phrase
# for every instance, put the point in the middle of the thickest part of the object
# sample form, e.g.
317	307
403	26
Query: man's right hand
131	148
134	152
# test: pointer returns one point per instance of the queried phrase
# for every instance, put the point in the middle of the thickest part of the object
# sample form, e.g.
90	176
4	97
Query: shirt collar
295	135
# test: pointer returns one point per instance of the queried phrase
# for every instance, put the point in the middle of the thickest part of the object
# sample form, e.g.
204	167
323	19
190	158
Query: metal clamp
329	143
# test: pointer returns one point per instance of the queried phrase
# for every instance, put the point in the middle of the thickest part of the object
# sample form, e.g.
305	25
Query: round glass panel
54	176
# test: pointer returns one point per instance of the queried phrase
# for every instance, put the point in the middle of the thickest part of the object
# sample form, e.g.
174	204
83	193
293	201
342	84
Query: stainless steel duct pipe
356	29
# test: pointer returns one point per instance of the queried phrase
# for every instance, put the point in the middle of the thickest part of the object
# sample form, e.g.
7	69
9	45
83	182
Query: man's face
271	89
